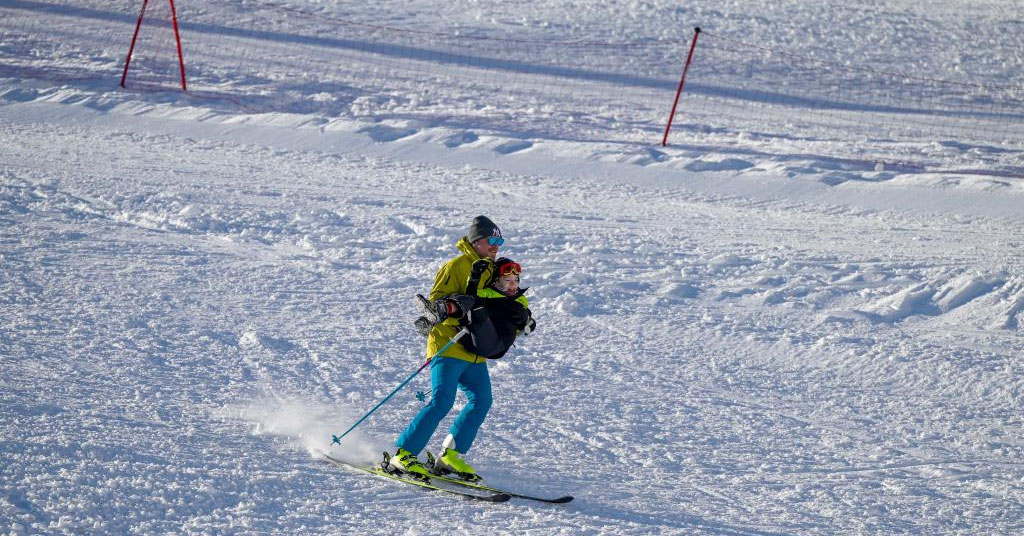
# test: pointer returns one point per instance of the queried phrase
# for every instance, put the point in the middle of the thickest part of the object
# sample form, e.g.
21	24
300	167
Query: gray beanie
482	227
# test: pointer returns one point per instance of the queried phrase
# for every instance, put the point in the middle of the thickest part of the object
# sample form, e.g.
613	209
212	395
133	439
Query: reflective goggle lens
511	268
495	241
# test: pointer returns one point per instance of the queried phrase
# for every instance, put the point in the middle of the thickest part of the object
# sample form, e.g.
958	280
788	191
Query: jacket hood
466	247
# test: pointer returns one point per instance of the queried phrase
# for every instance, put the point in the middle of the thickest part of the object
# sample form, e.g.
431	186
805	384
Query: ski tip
327	457
563	500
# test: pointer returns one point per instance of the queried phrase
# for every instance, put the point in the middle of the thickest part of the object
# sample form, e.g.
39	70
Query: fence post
679	91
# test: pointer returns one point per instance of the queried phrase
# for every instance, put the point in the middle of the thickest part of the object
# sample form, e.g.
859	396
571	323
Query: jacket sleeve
449	280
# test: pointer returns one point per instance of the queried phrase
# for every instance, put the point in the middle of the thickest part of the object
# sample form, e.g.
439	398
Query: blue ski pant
447	375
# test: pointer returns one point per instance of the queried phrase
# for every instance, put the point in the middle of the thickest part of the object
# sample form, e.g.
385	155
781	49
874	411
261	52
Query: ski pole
337	439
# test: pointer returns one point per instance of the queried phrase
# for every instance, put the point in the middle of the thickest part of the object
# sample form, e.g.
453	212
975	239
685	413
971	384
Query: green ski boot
450	462
405	462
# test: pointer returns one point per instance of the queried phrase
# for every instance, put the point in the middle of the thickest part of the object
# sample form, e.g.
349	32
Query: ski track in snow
703	355
192	302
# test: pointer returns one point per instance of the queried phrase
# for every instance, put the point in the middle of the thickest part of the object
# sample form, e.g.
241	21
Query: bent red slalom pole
337	439
177	39
679	91
131	49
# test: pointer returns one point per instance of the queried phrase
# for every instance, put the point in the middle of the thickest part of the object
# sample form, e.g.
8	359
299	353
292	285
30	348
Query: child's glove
531	325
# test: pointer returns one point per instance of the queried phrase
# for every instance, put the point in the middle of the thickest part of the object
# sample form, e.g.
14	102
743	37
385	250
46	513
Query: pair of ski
465	488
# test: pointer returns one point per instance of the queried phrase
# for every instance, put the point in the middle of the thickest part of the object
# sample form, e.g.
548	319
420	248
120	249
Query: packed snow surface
194	297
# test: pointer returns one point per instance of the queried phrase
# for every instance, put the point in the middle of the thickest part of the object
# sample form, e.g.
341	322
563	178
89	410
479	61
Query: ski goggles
511	268
495	240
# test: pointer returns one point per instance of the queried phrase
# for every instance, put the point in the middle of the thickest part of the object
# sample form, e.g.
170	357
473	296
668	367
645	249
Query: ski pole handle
337	439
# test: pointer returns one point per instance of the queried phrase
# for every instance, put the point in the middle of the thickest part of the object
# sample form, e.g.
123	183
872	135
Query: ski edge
494	497
476	485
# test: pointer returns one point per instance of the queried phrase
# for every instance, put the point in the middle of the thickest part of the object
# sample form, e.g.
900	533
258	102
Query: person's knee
481	400
443	399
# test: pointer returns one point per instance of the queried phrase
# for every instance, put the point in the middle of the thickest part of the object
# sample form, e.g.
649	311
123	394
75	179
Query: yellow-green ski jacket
453	278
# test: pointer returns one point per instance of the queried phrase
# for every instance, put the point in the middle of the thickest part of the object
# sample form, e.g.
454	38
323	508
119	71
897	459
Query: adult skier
453	303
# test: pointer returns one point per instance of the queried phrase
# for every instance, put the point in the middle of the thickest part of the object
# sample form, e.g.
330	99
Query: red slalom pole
135	36
177	38
682	80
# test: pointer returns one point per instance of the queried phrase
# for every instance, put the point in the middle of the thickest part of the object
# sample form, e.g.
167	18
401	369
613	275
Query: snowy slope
194	297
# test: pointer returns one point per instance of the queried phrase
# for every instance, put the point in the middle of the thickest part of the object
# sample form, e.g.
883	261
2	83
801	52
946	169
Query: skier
453	301
497	315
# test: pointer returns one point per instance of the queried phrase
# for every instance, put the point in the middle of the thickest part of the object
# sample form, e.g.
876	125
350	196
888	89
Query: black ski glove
531	324
479	267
